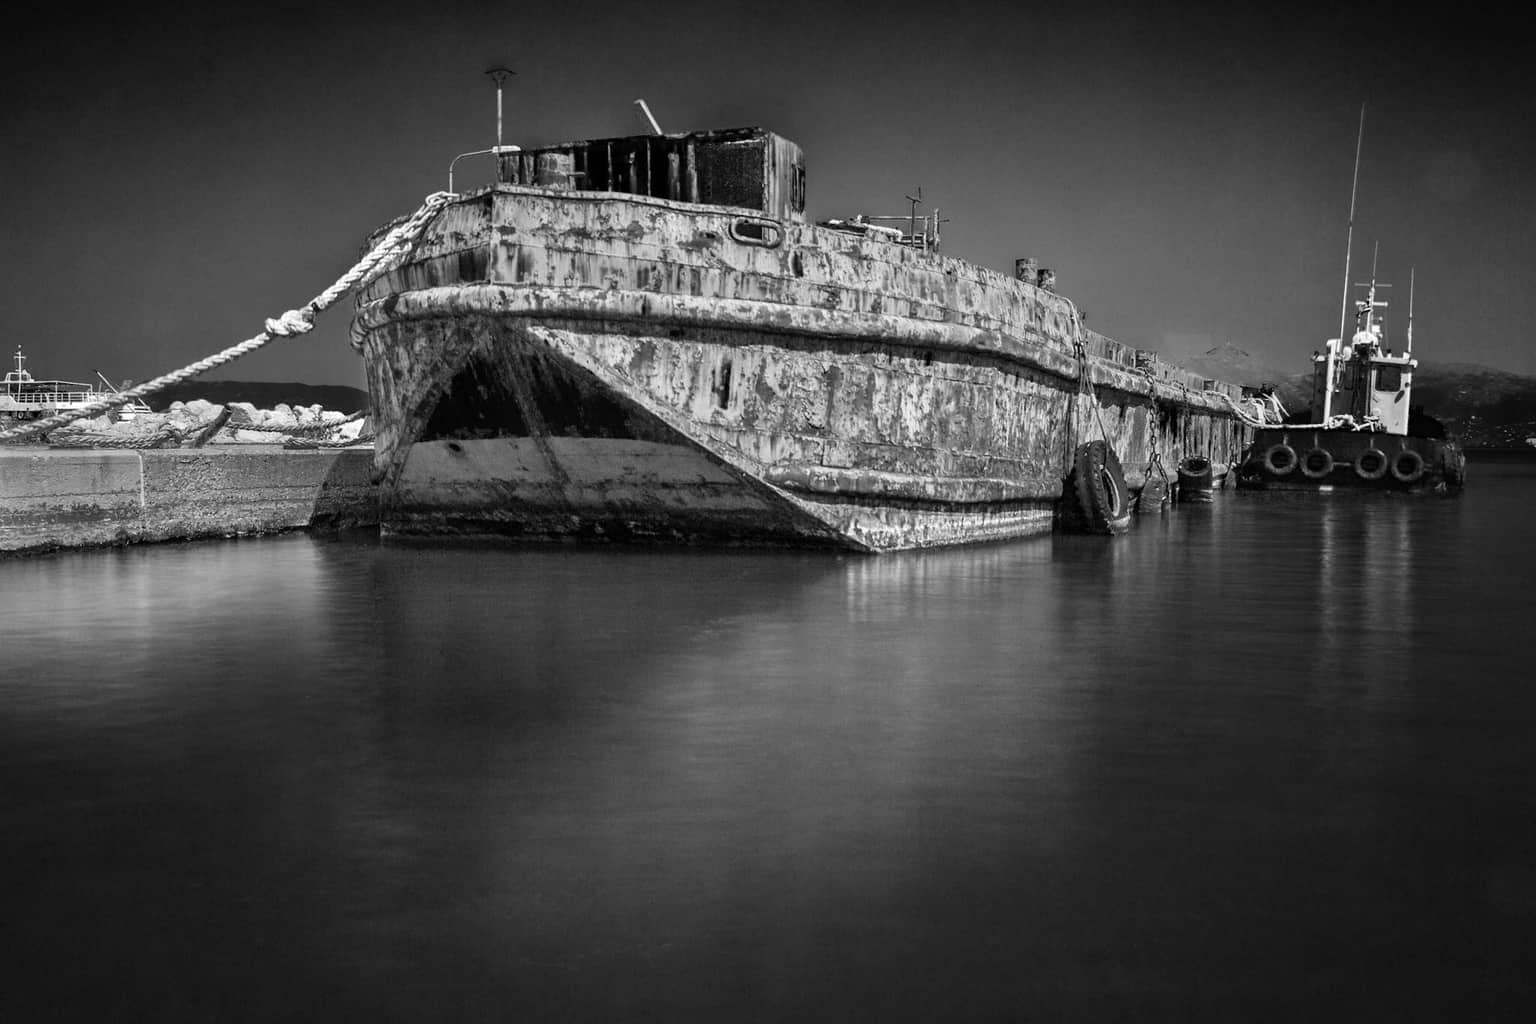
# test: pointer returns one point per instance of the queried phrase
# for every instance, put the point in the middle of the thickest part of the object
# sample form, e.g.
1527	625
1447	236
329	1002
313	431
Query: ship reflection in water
1250	760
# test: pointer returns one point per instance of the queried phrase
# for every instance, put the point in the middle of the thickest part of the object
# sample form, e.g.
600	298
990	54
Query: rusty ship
646	338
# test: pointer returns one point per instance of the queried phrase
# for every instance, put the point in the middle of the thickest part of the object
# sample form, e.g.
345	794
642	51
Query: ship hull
579	366
1309	459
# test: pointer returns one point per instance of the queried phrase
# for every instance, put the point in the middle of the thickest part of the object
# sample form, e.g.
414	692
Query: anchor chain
1084	375
1154	430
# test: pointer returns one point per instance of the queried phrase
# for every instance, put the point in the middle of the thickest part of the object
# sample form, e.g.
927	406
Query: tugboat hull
1310	459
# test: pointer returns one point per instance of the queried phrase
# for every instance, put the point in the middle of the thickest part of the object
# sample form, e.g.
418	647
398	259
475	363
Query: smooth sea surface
1268	759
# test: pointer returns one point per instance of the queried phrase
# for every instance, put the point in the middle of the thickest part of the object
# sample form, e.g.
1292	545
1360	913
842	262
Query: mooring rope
165	437
298	430
293	322
1340	421
315	442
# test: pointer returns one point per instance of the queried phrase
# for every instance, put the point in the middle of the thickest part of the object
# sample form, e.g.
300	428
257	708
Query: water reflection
1169	770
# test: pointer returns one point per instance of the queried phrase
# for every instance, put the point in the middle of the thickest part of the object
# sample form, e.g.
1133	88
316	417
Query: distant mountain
1230	363
263	394
1483	407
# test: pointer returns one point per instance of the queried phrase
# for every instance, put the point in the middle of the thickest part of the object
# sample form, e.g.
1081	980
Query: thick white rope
293	322
1341	421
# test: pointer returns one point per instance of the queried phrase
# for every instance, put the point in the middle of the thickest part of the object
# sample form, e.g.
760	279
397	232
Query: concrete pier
63	498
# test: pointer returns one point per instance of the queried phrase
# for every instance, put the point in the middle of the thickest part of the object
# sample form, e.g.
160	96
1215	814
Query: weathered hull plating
557	365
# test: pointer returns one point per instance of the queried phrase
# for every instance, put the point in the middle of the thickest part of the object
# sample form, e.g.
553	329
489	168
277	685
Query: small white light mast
499	75
1409	352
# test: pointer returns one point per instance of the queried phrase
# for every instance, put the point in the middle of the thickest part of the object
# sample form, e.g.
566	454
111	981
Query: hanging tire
1316	464
1280	459
1098	500
1195	477
1371	464
1195	469
1407	466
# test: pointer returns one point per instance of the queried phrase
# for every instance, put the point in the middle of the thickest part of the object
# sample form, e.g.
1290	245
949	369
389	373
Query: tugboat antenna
1349	237
1410	312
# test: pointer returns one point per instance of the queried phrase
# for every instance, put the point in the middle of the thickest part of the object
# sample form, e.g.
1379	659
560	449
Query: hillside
1483	407
264	394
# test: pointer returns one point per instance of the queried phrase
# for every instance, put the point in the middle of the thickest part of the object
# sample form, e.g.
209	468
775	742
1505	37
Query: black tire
1100	499
1371	464
1316	464
1407	466
1195	468
1280	460
1196	476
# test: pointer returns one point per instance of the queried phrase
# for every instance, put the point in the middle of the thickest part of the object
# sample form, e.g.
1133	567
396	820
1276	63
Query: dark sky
174	176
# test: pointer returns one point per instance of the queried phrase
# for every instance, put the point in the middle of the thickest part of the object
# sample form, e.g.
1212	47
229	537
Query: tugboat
1366	434
24	397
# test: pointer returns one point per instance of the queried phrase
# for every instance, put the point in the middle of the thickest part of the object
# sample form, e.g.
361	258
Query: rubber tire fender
1195	467
1412	471
1371	464
1103	501
1286	456
1317	463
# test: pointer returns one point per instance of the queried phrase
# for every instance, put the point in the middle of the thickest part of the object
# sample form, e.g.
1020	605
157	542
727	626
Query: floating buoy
1317	464
1371	464
1096	498
1280	459
1195	479
1407	466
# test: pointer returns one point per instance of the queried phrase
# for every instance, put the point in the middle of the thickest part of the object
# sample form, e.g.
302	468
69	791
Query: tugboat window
1389	378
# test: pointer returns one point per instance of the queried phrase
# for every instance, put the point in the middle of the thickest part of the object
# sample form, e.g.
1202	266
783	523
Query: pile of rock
198	423
183	425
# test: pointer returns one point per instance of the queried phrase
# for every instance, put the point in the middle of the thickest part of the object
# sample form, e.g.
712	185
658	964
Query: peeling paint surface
627	366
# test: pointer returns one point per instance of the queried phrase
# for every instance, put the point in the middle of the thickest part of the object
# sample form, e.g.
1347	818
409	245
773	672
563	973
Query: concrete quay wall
68	498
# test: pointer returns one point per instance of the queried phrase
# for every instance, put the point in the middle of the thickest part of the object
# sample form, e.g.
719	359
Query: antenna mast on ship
1365	312
1409	350
498	74
1349	238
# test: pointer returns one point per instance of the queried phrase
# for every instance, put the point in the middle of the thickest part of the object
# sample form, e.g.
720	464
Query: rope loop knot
295	321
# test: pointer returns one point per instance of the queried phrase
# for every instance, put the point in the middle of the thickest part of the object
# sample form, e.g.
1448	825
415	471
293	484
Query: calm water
1269	759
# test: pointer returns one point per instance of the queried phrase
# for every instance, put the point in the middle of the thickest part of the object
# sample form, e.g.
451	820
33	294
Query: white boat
24	397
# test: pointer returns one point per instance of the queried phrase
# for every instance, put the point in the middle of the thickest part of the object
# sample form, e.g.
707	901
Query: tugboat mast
1349	238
